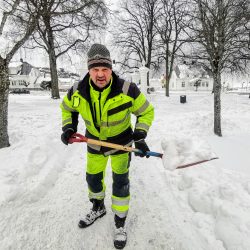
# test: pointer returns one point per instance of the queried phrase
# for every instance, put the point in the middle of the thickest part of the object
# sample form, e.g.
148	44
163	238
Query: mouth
101	80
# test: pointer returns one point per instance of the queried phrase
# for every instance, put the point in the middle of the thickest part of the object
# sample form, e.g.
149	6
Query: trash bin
183	99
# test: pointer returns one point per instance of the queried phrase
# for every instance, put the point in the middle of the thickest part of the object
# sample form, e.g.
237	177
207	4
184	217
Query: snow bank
216	201
30	167
220	205
179	151
212	203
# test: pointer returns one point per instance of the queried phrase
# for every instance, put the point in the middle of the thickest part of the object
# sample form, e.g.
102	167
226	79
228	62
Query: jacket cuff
68	127
139	134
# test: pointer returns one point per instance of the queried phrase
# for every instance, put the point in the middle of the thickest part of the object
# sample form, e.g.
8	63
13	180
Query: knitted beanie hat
98	55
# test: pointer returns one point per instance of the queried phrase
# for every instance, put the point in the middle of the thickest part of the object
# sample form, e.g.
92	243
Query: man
105	103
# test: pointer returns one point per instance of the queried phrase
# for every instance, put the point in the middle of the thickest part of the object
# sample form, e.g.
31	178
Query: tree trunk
4	93
54	77
53	67
217	104
167	85
166	71
148	80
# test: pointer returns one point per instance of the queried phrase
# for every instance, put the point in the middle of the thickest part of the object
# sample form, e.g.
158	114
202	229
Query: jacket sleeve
143	110
69	113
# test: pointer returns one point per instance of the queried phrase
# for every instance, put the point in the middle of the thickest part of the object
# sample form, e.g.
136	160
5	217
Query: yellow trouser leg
96	165
120	197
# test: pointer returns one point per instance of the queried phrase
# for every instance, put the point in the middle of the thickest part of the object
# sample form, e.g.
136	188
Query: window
183	84
203	84
21	82
206	84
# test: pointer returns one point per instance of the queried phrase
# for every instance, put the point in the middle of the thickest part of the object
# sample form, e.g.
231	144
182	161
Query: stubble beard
101	82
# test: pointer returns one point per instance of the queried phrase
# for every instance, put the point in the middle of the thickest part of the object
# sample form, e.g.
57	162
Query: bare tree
218	30
16	26
66	25
135	33
246	17
170	25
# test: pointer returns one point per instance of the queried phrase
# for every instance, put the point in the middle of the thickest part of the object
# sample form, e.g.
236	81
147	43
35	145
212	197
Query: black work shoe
98	210
120	237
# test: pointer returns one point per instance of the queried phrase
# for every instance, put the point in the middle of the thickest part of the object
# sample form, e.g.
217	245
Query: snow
15	64
207	206
181	151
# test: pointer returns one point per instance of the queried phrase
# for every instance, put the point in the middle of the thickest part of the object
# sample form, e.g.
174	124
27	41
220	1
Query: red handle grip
77	138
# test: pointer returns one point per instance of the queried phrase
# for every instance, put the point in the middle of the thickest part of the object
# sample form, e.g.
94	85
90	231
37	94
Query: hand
142	145
139	134
139	139
66	135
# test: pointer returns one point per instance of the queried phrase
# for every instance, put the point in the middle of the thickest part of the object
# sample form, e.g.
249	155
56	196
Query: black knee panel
95	182
121	185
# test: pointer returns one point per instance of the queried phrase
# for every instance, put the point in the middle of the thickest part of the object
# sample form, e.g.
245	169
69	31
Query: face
100	76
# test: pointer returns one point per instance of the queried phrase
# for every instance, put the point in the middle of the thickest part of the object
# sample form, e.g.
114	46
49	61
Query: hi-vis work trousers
96	165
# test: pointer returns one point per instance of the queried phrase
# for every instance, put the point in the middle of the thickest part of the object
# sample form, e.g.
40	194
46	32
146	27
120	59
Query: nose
100	73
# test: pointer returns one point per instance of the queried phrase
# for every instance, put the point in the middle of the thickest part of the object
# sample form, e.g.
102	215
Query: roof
15	64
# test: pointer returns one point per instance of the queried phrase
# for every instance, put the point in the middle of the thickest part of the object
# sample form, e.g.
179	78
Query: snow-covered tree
219	38
65	25
135	33
170	26
17	23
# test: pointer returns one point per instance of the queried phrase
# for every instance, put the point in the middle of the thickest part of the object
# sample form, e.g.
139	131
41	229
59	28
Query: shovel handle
81	138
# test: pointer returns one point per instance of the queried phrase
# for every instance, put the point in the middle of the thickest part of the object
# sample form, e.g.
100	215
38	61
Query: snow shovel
80	138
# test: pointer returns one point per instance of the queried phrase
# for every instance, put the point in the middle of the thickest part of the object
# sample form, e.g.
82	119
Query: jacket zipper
100	107
94	113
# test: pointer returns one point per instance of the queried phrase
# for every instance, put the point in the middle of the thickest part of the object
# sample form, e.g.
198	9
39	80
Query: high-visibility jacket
106	113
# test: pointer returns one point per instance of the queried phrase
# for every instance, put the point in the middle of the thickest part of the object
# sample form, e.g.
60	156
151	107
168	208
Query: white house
185	77
23	75
193	78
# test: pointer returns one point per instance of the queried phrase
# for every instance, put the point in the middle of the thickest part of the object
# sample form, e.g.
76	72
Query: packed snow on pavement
207	206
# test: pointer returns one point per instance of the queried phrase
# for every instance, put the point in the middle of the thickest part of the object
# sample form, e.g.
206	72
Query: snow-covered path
47	194
46	215
44	193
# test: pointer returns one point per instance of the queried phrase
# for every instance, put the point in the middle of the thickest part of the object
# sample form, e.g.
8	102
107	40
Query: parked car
19	91
46	85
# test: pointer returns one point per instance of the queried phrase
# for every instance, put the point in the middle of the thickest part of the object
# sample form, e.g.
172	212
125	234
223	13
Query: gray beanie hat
98	55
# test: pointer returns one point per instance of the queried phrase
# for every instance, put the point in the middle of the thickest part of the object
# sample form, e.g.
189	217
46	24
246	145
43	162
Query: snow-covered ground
207	206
